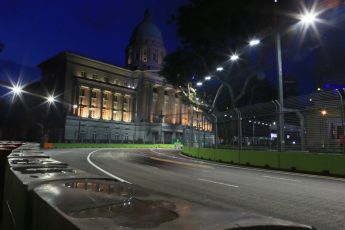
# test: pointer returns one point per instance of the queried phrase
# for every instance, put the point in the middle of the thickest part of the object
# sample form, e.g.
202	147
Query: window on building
83	74
145	54
106	79
154	56
160	57
95	77
125	100
340	132
92	112
82	91
116	98
105	96
125	83
94	94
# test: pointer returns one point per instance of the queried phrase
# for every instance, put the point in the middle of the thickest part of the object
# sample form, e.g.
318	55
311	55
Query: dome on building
146	29
146	48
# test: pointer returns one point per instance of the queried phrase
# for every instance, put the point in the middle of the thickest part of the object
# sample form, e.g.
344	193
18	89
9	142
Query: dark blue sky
35	30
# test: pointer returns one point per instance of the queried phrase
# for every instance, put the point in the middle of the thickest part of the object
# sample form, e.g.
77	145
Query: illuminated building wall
104	102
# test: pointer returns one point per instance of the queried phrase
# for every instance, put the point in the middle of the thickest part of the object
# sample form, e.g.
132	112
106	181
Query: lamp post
307	18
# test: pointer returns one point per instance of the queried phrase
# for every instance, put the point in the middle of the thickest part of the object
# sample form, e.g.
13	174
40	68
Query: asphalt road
313	200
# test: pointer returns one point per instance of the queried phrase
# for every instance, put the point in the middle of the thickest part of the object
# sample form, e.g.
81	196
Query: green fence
304	162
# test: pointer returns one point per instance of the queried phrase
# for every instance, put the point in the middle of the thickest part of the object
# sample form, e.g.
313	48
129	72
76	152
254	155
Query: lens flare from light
17	90
234	57
51	99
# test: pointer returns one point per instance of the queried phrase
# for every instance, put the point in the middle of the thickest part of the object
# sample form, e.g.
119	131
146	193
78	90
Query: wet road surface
313	200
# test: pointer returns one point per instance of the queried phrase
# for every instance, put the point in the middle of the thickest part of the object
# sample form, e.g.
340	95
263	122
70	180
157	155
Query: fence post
342	117
191	128
281	127
239	116
215	130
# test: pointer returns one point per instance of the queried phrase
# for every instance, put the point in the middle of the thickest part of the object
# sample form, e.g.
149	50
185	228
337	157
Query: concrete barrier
332	164
27	168
5	149
3	159
42	193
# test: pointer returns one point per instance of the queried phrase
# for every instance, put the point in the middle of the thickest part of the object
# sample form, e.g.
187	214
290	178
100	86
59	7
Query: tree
209	32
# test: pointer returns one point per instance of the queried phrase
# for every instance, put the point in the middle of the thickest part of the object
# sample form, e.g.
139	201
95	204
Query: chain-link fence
312	122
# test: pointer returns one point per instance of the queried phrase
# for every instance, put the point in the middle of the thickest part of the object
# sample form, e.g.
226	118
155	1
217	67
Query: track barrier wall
41	193
319	163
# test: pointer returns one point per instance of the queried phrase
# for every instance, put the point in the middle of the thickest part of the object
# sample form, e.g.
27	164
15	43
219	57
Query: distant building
106	103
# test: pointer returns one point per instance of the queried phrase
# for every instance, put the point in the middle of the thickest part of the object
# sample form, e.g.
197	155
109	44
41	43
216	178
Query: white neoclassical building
106	103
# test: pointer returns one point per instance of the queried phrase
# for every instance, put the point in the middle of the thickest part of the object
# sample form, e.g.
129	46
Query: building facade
106	103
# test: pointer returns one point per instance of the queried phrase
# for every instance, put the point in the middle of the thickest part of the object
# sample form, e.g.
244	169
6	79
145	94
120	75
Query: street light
50	99
219	69
16	89
308	18
323	112
199	83
207	78
234	57
254	42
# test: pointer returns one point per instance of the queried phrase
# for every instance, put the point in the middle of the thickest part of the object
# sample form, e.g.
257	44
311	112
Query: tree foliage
210	31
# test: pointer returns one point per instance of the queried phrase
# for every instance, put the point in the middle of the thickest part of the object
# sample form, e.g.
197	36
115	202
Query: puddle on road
119	189
133	213
128	211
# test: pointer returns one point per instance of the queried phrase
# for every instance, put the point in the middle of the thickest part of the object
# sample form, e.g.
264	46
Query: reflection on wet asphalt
316	201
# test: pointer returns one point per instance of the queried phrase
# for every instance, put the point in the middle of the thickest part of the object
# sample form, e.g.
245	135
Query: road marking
265	170
216	182
180	163
281	178
102	170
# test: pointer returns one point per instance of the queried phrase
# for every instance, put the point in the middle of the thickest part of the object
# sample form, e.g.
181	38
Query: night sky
35	30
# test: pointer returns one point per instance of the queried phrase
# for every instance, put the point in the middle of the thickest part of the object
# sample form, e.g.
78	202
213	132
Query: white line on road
216	182
281	178
102	170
